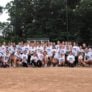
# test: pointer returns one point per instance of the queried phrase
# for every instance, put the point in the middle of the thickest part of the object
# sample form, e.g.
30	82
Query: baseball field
46	79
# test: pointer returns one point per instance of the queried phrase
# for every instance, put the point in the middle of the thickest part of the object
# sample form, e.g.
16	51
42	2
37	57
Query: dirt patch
46	80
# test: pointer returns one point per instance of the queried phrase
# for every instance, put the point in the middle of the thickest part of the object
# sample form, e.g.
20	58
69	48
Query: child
71	59
24	59
62	60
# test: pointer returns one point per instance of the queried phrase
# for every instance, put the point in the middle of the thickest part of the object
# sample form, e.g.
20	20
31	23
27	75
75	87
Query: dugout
38	39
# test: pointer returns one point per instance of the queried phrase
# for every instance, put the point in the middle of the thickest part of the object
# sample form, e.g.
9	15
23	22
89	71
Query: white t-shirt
32	49
24	57
11	49
62	59
35	58
40	56
18	55
75	50
57	46
40	48
89	55
6	57
70	58
57	55
3	48
62	51
49	51
26	48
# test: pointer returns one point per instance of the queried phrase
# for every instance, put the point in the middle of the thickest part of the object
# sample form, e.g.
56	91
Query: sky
4	16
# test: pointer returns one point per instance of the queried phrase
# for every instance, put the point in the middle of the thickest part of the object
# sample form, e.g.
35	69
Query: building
38	39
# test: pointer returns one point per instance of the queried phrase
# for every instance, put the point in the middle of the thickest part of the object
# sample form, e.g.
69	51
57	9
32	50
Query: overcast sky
4	16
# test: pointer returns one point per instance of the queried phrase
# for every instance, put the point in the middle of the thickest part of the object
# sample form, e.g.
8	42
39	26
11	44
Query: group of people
45	54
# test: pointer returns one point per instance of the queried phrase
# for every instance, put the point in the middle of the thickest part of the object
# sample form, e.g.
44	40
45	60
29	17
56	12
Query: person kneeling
24	59
35	61
62	60
71	59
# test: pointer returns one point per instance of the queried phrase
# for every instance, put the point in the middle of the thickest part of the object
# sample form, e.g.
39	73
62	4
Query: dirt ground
46	80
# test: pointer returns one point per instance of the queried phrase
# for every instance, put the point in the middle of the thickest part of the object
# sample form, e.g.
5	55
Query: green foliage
1	8
84	20
47	18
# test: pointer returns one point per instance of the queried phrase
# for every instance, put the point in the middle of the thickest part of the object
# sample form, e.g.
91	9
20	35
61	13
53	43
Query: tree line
54	19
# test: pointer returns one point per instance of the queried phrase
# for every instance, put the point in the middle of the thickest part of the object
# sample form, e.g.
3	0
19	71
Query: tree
84	20
36	18
1	9
47	18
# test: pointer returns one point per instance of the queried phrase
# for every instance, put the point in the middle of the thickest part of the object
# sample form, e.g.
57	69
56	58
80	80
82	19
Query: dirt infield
46	80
